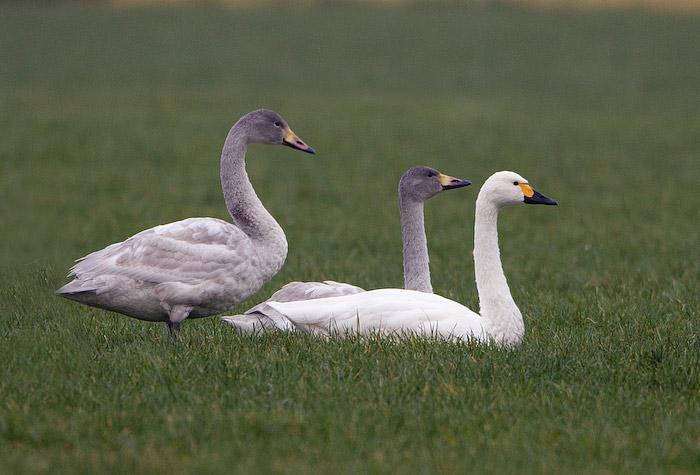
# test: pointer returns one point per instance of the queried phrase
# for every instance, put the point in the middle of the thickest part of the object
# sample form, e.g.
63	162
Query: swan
416	186
198	266
399	311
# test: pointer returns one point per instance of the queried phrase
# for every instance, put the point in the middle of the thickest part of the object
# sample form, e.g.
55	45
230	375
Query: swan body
198	266
400	311
416	186
386	311
203	263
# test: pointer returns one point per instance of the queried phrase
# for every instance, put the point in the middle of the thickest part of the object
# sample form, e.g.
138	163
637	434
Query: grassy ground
112	121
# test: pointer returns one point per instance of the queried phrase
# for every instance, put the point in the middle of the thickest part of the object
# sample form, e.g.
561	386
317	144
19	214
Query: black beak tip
302	147
457	184
545	200
539	199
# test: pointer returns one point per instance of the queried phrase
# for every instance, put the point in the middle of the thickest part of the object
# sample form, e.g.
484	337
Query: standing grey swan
407	312
416	186
198	266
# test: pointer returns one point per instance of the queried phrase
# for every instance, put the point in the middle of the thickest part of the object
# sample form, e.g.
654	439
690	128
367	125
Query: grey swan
196	267
416	186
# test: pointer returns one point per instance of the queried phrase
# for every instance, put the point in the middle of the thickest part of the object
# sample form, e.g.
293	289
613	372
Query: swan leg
176	315
174	328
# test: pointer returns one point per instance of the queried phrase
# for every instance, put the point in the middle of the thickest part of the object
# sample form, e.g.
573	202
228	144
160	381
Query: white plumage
387	311
263	317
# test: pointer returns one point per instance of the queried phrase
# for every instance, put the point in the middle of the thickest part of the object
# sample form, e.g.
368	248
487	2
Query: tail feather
261	318
76	287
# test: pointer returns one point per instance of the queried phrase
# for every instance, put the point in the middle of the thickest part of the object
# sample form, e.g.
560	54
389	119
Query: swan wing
190	251
294	291
385	311
262	317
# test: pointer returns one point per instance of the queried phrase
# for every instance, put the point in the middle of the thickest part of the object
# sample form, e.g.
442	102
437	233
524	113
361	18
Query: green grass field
112	121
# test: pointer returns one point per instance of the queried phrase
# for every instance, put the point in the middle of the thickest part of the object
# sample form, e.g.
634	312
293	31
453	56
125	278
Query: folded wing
385	311
190	250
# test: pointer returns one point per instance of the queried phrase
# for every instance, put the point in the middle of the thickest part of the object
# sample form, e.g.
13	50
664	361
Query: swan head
422	183
268	127
508	188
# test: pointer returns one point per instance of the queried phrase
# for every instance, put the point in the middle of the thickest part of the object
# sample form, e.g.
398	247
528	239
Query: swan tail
76	287
261	318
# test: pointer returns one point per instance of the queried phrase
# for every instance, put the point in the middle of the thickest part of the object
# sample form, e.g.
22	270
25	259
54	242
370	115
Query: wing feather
186	251
294	291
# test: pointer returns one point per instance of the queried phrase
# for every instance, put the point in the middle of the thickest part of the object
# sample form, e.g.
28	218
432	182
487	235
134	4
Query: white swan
416	186
410	312
198	266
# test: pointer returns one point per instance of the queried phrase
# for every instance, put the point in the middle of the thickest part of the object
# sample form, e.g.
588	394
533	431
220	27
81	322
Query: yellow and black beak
450	182
533	197
290	139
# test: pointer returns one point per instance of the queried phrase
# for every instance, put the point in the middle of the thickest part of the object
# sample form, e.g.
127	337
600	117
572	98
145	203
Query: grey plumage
416	186
198	266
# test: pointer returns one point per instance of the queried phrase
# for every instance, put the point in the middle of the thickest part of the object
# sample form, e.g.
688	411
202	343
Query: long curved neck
243	204
502	318
416	263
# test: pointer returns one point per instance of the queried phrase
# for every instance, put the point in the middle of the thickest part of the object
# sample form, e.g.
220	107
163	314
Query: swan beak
450	182
533	197
291	140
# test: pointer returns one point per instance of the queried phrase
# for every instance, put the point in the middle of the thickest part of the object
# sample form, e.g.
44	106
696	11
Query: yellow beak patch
289	136
445	179
527	190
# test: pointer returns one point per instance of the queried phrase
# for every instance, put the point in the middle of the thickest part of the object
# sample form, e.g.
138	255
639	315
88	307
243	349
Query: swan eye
277	123
516	183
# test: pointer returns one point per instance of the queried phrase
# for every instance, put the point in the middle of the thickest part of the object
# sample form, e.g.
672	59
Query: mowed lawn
112	121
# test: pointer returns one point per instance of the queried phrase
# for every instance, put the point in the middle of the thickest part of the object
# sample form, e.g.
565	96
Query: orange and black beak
291	140
450	182
533	197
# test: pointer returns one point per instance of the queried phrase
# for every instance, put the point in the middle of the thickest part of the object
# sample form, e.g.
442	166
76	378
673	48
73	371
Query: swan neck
416	262
242	202
502	318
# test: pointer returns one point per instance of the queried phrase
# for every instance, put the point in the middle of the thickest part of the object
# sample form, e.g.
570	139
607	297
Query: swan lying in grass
396	311
416	186
198	266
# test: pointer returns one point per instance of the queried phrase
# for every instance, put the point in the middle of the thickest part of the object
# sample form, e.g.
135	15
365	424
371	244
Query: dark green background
113	120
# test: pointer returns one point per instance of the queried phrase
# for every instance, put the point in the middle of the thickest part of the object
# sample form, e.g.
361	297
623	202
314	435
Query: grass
112	121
